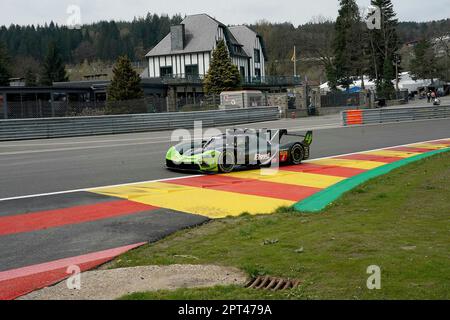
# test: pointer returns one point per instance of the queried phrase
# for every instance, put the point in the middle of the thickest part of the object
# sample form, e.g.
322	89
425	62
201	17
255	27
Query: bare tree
319	41
442	47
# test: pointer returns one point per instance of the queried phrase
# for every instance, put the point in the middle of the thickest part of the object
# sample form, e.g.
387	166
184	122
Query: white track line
197	175
86	189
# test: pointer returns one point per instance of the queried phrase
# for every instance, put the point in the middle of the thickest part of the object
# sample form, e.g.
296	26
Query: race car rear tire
228	165
296	154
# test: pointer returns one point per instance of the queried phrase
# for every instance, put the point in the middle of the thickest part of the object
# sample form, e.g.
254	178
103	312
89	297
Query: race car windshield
213	143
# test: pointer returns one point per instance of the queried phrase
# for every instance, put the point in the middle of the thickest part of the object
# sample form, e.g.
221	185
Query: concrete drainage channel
112	284
271	283
109	284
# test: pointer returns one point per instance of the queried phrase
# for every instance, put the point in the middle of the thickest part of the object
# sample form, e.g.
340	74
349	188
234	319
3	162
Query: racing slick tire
227	162
296	154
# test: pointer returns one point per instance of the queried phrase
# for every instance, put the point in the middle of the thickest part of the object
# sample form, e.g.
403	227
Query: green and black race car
239	148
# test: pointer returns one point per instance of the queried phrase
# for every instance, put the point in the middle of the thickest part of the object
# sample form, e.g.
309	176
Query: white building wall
202	59
241	62
261	64
151	68
178	63
157	66
207	61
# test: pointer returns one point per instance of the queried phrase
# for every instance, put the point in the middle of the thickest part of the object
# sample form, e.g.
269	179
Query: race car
238	149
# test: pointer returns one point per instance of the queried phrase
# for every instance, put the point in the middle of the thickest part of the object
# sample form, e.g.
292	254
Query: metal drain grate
271	283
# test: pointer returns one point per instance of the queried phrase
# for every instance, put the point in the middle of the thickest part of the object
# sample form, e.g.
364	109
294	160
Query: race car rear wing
308	137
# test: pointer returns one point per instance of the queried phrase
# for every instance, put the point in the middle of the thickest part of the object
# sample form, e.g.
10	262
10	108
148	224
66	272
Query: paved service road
42	166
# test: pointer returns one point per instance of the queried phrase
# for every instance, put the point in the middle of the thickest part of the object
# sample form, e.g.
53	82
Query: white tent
368	85
405	83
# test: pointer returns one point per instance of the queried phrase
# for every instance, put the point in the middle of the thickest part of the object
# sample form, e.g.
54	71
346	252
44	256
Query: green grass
399	222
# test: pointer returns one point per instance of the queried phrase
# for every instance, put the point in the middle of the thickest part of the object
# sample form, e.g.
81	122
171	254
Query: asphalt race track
88	227
43	166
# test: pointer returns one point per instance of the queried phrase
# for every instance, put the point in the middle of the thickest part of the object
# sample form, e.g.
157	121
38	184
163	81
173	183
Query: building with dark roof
187	50
173	78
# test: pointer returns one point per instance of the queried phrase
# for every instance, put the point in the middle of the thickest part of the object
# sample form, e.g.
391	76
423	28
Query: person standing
433	95
428	96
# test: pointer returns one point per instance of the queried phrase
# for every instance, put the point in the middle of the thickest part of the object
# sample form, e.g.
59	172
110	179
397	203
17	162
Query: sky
229	11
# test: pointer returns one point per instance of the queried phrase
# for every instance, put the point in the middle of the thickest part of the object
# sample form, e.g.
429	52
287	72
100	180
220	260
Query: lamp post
294	59
396	61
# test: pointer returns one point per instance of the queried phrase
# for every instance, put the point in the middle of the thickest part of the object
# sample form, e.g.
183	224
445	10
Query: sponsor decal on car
262	157
284	156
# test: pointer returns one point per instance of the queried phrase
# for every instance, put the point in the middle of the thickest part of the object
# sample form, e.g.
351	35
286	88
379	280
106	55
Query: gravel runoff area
115	283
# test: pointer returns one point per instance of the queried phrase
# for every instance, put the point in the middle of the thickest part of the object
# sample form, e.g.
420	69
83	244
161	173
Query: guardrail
368	116
20	129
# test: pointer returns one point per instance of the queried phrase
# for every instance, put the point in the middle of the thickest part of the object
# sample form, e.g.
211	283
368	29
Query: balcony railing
182	79
247	81
272	81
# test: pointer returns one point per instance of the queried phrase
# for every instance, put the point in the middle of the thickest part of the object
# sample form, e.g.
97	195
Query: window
237	49
165	71
257	56
257	73
242	71
191	70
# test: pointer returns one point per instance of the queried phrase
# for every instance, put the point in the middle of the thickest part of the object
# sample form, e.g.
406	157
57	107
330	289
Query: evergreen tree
384	44
53	67
124	86
222	75
330	70
424	64
347	45
4	66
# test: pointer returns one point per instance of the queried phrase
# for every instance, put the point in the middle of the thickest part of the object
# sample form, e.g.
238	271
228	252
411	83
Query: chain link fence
46	107
339	99
40	108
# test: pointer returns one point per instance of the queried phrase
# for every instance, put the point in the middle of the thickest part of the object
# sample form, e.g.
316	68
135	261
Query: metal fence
368	116
339	99
245	81
46	108
40	108
83	126
198	103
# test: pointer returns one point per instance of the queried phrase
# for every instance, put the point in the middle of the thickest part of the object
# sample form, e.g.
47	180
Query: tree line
105	40
347	50
24	49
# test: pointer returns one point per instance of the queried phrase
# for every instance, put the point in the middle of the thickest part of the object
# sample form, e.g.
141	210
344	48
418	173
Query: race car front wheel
296	154
226	162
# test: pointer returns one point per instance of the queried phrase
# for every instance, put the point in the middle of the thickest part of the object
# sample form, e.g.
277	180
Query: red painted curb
370	157
18	282
248	187
74	215
409	149
324	170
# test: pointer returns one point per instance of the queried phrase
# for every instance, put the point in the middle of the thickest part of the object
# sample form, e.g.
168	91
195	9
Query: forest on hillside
105	41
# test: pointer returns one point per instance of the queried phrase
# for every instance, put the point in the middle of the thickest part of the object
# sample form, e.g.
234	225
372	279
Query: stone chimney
177	37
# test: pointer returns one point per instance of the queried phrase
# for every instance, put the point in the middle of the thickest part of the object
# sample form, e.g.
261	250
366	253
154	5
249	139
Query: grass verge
399	222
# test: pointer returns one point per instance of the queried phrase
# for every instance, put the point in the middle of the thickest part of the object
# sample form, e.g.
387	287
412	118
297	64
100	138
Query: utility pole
294	59
396	57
